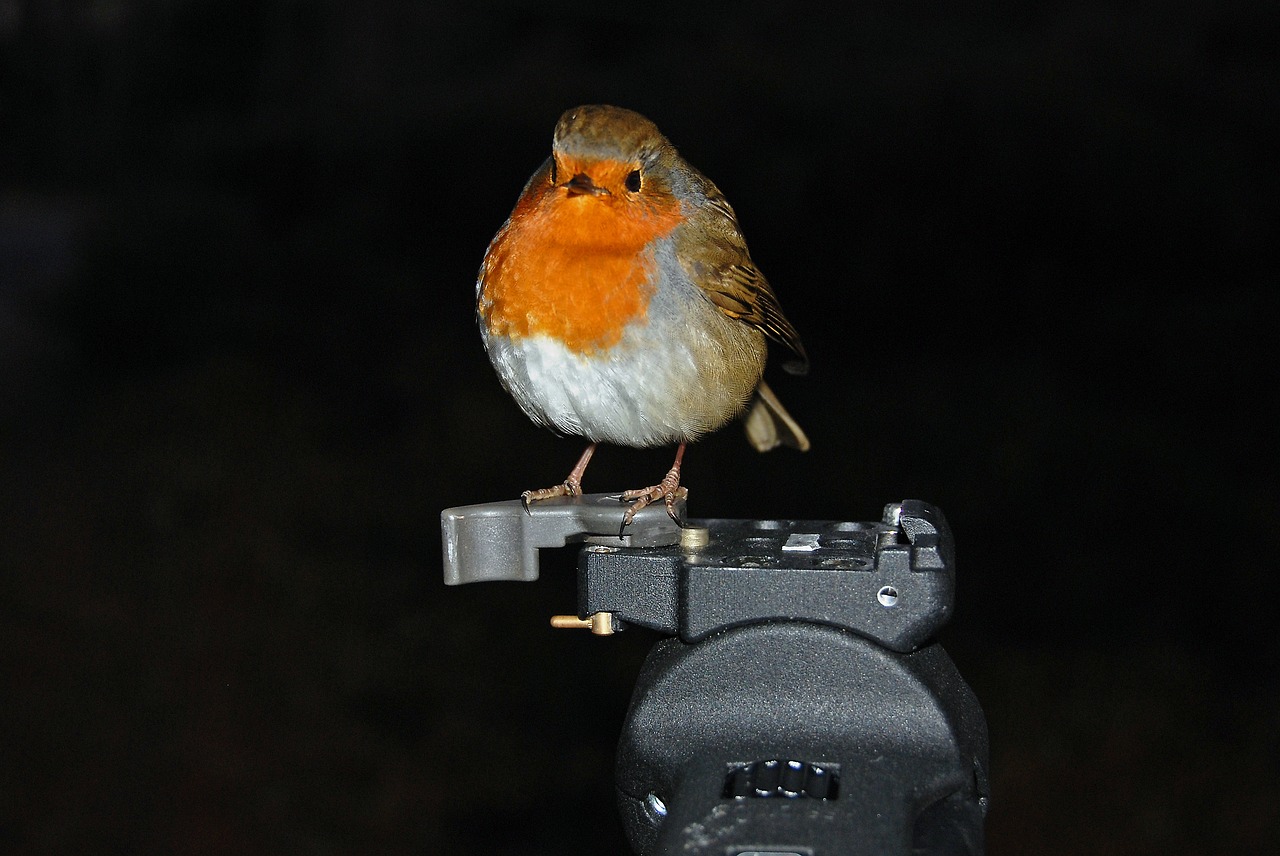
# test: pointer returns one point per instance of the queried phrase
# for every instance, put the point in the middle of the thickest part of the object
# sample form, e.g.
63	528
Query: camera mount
799	704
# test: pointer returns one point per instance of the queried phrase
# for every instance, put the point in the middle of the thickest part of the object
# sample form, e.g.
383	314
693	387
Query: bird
619	303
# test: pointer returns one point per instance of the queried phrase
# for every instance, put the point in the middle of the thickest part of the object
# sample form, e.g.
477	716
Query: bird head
616	156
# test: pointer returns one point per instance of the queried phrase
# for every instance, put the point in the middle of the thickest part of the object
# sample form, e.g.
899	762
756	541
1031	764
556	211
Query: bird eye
633	181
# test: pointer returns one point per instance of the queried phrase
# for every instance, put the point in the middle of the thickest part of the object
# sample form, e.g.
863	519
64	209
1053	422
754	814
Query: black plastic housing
901	735
892	581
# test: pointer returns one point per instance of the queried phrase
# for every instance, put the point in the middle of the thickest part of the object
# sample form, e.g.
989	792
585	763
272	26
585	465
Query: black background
1031	254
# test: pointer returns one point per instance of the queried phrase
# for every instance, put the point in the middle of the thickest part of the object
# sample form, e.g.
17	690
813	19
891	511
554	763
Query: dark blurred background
1031	253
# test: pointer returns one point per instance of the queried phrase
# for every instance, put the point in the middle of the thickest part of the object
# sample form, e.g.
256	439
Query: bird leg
668	489
572	485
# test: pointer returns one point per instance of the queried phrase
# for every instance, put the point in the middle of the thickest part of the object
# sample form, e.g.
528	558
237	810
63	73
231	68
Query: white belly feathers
659	385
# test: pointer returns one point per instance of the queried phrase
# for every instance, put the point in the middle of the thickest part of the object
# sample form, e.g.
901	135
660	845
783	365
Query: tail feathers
769	425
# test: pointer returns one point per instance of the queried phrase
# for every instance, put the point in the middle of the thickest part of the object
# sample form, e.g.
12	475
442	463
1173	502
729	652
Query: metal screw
693	537
656	808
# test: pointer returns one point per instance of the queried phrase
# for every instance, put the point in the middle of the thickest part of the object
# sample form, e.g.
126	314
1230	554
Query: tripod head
798	704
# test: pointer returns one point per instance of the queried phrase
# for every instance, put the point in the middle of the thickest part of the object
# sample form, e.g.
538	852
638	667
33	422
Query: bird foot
668	490
570	487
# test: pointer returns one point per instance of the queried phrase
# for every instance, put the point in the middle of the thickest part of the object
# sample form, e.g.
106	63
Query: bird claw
569	488
669	491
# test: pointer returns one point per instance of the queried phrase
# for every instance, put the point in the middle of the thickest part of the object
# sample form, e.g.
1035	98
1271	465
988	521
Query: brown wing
717	259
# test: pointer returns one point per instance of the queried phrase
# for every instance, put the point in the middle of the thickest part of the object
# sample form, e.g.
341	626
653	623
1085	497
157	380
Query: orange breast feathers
576	268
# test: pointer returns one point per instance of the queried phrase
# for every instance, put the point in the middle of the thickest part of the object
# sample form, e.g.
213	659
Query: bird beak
582	185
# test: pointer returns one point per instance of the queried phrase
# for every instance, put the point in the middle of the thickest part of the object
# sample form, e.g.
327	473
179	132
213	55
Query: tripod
798	706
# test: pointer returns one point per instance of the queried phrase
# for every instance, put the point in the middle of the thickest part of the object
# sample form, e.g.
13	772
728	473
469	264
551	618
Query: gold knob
599	623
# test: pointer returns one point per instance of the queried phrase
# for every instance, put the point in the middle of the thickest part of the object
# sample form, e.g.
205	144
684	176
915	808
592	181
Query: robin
619	303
